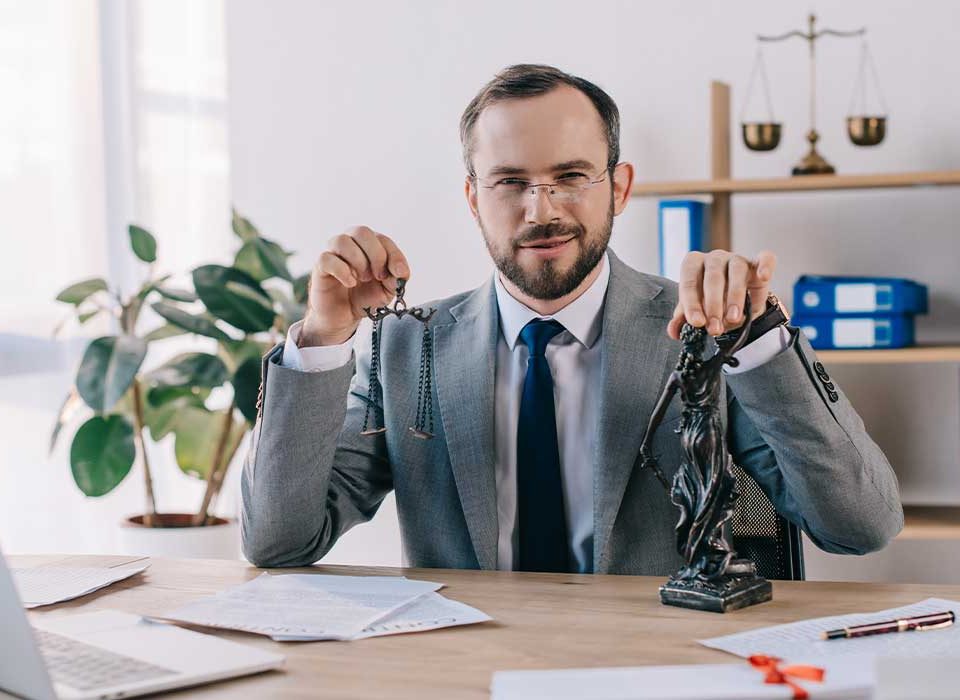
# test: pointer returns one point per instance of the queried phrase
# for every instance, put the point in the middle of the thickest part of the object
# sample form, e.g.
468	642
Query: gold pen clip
937	626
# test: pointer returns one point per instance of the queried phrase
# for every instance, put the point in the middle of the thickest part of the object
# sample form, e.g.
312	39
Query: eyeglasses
567	189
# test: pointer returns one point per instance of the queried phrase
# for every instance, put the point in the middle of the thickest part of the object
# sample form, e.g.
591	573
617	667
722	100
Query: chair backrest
760	533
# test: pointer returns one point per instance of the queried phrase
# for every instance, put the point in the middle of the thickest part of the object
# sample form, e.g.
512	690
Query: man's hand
713	287
359	269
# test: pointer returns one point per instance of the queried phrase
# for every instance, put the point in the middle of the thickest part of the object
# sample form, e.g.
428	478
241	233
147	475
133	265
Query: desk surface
541	621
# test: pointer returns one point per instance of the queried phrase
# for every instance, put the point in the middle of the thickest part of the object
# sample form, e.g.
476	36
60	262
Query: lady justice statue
704	486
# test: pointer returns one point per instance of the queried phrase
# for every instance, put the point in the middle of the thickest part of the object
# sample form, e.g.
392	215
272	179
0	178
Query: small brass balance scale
863	129
423	424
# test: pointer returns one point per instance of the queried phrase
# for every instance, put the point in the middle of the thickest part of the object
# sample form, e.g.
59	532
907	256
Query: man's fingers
691	285
758	284
676	323
714	289
766	264
338	268
346	247
738	271
374	251
396	261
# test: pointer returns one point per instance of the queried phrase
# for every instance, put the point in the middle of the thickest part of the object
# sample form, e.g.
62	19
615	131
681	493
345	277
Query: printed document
305	607
800	641
46	585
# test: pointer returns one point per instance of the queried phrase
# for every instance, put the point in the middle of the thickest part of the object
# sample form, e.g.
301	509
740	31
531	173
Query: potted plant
240	310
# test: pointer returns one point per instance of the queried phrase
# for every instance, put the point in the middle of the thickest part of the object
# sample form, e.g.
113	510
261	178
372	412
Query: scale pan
761	136
866	131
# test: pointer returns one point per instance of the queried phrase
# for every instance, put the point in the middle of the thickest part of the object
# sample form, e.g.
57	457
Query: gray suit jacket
309	476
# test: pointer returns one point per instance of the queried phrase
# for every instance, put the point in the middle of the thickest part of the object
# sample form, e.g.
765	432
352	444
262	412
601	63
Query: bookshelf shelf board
930	523
800	183
920	353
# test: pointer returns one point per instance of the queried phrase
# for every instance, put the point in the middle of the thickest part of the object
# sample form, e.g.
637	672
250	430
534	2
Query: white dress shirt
574	359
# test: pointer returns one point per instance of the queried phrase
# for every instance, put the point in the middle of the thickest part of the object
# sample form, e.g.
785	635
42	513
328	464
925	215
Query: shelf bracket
720	164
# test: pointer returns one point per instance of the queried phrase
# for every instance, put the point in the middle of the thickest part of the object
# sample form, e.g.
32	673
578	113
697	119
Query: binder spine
683	227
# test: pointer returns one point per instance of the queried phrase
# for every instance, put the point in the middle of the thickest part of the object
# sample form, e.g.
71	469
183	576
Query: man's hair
530	80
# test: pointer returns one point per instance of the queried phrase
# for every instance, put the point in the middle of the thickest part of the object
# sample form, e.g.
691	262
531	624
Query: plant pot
177	537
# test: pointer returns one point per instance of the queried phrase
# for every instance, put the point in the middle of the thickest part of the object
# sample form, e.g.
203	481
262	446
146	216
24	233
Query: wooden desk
542	621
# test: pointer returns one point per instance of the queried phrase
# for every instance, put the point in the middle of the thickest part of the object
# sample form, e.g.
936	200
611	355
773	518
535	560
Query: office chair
762	534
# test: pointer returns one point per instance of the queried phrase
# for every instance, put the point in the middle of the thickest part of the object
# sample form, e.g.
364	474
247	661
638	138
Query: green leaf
87	315
67	410
197	431
167	330
161	395
290	310
300	289
246	387
243	228
164	408
189	322
77	293
251	312
190	369
107	369
102	453
242	290
262	259
151	286
176	294
162	420
235	352
143	243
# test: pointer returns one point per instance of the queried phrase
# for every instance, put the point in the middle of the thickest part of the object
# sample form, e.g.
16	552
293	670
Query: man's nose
539	207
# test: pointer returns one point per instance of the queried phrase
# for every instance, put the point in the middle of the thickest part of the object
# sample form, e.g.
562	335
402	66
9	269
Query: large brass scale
864	129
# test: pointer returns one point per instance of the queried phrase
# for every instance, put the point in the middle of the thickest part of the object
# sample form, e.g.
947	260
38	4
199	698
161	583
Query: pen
920	623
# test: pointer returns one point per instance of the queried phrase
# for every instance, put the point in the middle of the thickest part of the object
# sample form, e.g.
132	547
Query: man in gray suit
544	379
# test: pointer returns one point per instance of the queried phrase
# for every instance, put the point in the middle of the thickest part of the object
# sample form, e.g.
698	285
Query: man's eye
511	182
572	176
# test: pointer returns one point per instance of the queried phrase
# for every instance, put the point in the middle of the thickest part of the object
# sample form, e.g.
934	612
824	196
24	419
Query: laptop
109	654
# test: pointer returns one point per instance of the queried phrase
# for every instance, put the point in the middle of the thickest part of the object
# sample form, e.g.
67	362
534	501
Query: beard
550	281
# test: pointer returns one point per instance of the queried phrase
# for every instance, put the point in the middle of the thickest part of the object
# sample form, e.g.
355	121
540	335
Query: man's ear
622	184
470	191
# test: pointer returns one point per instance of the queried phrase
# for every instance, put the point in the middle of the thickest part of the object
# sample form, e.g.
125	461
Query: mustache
543	232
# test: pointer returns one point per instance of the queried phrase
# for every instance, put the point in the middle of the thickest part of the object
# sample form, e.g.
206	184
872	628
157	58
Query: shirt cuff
761	350
314	359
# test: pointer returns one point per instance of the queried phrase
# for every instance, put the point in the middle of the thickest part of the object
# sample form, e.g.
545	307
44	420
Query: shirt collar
582	317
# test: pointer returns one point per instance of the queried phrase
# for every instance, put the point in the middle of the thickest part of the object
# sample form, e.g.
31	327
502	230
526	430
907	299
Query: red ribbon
770	665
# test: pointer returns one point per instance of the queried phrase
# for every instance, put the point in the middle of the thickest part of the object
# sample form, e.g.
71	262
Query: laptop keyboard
86	667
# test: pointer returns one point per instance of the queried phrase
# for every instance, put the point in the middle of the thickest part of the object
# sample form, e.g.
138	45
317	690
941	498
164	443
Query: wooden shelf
921	353
799	183
931	523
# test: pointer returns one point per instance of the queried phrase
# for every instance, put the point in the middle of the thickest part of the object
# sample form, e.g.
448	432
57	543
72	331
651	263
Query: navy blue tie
540	515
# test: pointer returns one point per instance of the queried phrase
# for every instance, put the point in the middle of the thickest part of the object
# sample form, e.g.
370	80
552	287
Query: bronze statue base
739	588
813	163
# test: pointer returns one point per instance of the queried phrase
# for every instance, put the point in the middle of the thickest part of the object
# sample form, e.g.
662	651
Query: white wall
347	113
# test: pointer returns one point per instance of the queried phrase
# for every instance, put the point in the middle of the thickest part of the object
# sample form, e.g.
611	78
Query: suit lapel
465	352
634	355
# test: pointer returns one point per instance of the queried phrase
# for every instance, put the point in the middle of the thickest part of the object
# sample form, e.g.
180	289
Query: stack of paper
696	682
309	607
46	585
800	641
850	665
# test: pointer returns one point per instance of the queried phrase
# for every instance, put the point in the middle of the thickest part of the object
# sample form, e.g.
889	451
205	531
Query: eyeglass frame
533	186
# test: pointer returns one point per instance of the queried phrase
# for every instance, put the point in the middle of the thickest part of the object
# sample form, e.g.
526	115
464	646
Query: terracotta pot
177	537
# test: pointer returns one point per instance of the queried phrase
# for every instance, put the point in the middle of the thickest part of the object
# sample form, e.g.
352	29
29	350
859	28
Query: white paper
304	607
694	682
46	585
915	677
801	640
428	612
